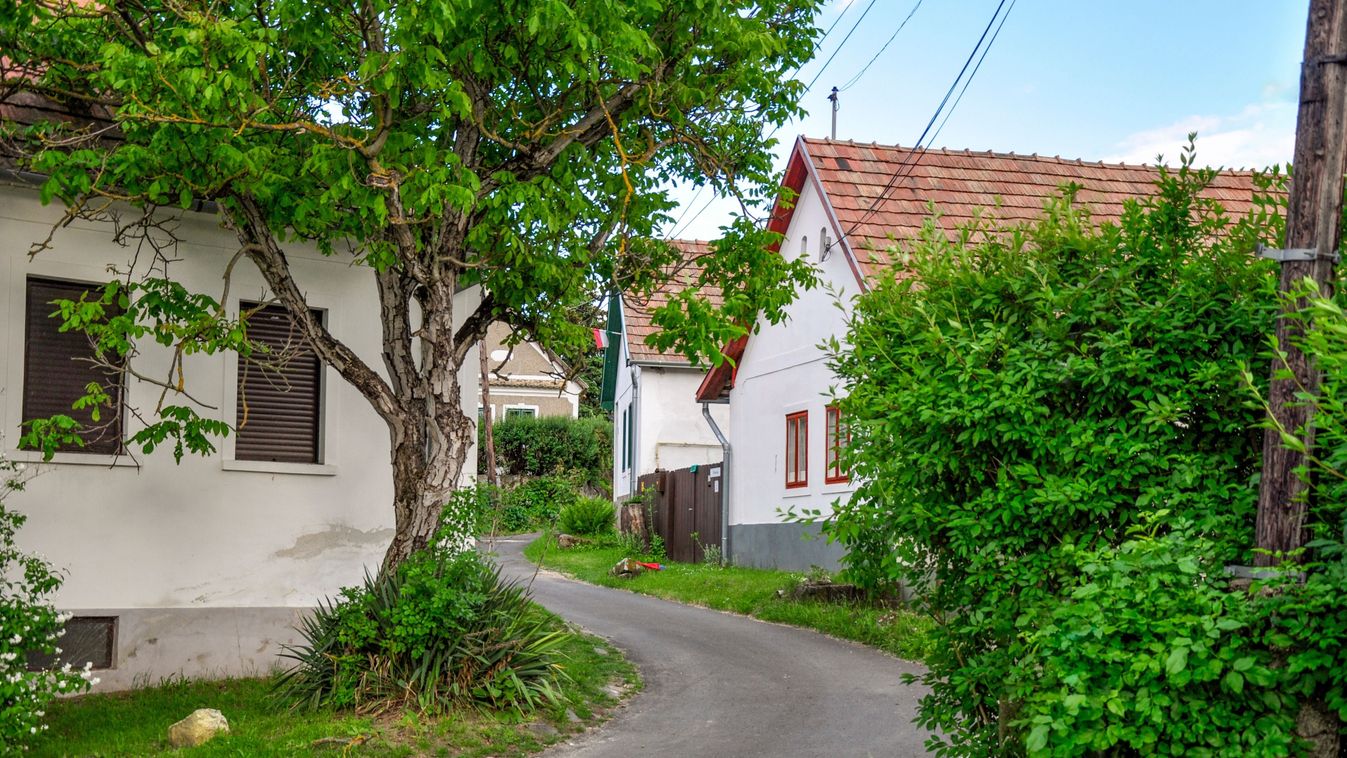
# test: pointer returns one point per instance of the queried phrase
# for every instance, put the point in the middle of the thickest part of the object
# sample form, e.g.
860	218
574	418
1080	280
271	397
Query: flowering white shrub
28	624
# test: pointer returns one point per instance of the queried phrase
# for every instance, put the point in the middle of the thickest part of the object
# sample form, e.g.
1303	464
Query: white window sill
800	492
274	467
75	459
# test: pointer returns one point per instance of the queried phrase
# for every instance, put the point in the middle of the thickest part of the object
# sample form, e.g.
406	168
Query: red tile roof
960	184
637	310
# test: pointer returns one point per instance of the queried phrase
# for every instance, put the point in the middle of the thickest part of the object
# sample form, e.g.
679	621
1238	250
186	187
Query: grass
752	592
135	723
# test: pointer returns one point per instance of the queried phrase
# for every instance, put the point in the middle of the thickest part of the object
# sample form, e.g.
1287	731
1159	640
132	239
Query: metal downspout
724	484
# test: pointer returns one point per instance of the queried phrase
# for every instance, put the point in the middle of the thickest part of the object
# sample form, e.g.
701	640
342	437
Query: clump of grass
136	722
752	592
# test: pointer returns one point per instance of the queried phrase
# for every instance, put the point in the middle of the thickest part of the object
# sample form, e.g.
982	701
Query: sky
1091	79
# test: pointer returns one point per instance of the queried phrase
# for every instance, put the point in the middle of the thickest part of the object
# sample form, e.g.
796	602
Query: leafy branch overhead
523	147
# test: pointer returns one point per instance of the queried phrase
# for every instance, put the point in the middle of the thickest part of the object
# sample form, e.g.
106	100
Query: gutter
724	484
635	435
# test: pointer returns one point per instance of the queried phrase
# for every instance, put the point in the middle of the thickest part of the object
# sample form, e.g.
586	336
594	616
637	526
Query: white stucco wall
209	532
783	371
670	431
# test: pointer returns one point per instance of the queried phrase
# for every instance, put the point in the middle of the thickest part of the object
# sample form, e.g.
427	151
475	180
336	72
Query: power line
678	225
914	156
840	45
872	60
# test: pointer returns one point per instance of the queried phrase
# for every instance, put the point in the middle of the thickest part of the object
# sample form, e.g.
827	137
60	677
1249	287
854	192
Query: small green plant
30	625
589	516
442	629
1151	652
528	446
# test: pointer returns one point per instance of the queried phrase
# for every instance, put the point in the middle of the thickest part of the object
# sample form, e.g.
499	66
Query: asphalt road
718	684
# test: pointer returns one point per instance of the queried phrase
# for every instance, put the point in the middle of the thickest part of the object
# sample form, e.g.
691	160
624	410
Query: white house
853	204
199	568
527	379
657	422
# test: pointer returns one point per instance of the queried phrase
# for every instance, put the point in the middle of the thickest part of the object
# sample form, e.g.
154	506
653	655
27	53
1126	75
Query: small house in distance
853	204
527	379
657	423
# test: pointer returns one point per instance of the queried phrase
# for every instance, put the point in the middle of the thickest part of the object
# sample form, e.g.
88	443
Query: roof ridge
1053	159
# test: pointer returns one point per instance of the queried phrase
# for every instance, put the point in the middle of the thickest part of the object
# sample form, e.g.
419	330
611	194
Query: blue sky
1093	79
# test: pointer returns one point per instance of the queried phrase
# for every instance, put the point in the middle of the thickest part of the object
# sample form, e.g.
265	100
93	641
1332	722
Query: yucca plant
441	630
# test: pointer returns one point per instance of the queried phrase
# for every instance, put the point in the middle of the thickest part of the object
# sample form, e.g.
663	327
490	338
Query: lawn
136	723
749	591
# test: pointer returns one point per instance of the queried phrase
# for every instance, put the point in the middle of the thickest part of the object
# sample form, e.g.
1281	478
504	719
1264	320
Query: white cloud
1256	137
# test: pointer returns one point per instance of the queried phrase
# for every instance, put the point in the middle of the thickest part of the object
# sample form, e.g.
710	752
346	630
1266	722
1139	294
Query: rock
827	591
542	730
571	717
198	728
627	568
601	650
567	540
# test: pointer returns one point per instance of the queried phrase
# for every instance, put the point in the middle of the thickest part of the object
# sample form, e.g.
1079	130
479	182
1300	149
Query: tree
522	147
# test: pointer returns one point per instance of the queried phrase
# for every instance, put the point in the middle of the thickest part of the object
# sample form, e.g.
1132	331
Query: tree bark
1311	222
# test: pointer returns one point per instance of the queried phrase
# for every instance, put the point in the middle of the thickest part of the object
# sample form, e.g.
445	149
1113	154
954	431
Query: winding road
719	684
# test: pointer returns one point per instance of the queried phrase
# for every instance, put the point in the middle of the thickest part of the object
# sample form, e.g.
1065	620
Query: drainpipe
724	484
635	439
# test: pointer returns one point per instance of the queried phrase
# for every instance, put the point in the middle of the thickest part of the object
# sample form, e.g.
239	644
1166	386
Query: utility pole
490	453
1312	215
833	98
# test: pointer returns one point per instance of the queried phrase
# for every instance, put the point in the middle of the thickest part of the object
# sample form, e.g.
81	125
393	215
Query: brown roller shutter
278	392
57	368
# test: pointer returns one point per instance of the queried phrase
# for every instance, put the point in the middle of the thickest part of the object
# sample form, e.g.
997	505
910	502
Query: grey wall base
789	547
154	644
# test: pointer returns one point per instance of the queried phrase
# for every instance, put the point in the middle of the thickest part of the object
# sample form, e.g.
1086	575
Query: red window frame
797	450
837	435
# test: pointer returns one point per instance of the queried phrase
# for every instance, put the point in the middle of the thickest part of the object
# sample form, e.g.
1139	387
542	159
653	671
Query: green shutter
611	353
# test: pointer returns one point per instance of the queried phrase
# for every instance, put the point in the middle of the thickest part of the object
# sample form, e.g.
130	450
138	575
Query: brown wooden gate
687	507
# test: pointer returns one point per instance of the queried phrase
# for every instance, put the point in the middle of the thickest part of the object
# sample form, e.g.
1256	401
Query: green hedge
530	446
1022	401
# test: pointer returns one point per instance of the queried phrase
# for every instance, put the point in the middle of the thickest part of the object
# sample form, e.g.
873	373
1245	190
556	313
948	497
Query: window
838	436
521	412
88	639
58	366
823	244
797	449
279	391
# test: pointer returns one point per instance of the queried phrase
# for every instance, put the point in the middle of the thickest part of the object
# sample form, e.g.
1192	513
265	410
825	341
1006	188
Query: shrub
527	446
441	629
1021	394
30	626
1150	651
532	504
589	516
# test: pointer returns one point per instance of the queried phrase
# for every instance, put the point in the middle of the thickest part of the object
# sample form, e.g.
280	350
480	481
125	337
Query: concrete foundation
155	644
789	547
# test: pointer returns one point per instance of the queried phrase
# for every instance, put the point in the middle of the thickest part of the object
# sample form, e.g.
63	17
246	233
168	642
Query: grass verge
752	592
135	723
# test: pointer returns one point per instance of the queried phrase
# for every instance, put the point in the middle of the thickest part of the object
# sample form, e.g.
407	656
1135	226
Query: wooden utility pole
490	453
1312	215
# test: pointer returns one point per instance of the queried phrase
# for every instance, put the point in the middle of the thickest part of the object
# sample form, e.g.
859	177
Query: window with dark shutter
58	366
279	391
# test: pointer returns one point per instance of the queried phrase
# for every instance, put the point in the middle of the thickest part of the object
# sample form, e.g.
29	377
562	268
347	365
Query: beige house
527	379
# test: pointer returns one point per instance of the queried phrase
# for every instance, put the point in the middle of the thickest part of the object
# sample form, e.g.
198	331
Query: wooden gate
686	512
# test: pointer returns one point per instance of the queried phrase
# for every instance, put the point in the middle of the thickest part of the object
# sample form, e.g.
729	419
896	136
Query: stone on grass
627	568
568	540
196	729
543	730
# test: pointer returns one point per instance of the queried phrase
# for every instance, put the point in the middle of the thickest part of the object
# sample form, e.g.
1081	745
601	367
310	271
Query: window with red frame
797	449
838	436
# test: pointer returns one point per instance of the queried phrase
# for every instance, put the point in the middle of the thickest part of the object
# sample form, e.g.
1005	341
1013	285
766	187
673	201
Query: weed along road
718	684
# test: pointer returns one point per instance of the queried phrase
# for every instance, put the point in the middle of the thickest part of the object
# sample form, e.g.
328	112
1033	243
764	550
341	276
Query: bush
1150	651
527	446
1020	395
440	630
31	626
532	504
590	516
